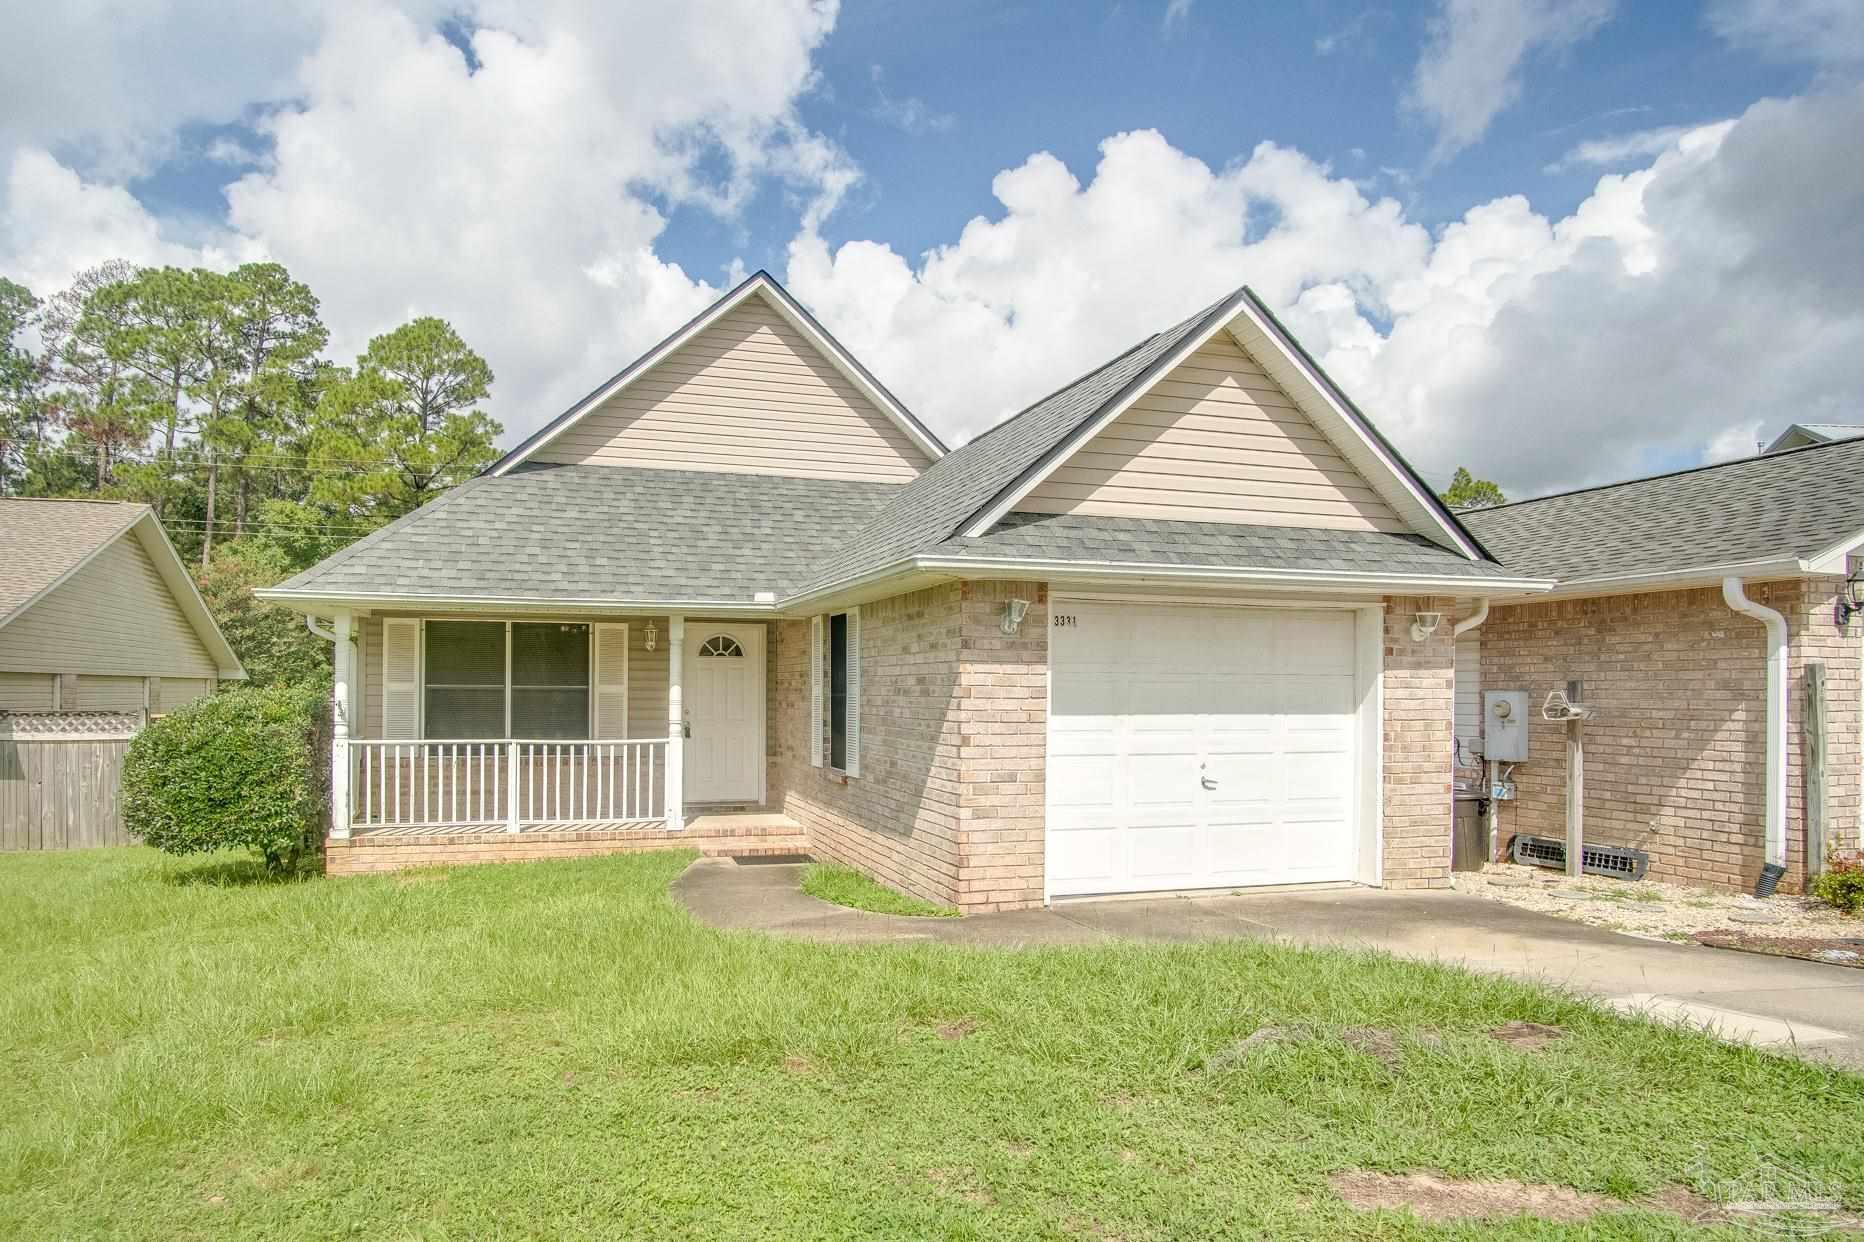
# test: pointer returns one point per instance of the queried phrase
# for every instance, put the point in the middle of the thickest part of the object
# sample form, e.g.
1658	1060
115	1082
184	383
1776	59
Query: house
1185	622
1693	607
1799	435
100	627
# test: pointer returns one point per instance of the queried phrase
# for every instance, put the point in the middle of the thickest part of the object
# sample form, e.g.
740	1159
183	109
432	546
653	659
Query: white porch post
676	725
340	728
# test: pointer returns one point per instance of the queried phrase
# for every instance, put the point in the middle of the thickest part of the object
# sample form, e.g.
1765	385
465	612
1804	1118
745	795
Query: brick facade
949	803
899	820
1419	690
1675	761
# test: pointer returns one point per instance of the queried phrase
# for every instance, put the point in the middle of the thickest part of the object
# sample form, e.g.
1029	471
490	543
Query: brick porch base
723	836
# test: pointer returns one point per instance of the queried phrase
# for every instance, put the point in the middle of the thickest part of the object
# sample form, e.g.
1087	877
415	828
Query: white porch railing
508	784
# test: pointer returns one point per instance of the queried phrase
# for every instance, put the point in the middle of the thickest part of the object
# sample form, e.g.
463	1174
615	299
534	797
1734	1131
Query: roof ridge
1754	459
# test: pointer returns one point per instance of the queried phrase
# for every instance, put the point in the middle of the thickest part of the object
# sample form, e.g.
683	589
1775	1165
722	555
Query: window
838	691
549	680
490	679
465	679
721	646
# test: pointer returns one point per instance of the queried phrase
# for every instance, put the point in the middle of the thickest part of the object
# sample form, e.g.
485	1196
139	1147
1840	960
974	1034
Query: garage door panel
1164	855
1201	747
1087	860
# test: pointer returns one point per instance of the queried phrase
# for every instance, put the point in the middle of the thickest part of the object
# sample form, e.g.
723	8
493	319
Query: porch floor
712	824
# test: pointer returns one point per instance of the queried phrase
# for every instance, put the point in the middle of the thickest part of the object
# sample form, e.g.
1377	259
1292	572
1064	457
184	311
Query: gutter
1778	651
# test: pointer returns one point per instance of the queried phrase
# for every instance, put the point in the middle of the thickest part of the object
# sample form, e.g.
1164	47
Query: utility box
1504	725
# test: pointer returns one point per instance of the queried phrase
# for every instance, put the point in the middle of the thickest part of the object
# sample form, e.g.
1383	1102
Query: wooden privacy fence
61	779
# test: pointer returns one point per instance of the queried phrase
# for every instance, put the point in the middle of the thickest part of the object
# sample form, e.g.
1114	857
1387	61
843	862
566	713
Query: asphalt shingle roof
605	532
1793	504
43	539
1214	545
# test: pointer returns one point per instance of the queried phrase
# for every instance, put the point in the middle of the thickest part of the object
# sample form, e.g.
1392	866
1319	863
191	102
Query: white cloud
1823	31
910	115
520	195
1677	306
1470	70
1177	13
1616	149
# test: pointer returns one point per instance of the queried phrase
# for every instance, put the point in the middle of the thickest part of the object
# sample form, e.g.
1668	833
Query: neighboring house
1185	622
1800	435
1700	750
100	627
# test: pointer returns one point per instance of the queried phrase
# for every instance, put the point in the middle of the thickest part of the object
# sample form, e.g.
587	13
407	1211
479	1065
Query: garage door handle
1208	782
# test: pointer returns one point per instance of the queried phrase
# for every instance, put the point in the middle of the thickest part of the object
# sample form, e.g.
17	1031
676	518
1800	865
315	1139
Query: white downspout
1461	628
1474	619
1777	652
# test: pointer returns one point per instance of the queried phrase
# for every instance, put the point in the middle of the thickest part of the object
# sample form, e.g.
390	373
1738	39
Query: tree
1466	491
165	324
402	428
21	414
278	336
272	640
104	405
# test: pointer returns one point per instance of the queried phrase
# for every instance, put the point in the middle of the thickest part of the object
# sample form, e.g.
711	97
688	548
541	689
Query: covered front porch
460	733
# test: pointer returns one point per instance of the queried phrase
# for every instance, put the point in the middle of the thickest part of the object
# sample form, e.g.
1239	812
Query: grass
847	887
557	1049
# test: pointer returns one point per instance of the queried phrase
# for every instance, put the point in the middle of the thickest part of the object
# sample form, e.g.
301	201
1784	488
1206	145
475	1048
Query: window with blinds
490	679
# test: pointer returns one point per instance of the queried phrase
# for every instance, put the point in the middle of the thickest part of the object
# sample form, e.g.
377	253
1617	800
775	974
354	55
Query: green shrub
1841	884
243	768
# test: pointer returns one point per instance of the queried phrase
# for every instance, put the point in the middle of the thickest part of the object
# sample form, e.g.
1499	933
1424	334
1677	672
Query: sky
1558	241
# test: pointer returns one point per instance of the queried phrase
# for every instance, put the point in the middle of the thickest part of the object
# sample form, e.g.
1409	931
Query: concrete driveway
1811	1009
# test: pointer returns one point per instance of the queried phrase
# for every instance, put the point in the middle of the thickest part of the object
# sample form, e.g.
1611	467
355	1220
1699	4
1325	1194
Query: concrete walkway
1804	1007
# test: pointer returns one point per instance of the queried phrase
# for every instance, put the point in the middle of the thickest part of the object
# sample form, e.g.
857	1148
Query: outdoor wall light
1424	625
1851	600
653	635
1014	610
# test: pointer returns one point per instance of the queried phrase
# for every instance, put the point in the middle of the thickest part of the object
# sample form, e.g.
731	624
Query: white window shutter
815	692
611	680
401	678
854	693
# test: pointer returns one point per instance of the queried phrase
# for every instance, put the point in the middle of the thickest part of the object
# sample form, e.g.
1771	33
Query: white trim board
762	285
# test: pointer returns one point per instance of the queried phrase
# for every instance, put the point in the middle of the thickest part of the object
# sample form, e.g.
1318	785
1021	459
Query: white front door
723	696
1194	747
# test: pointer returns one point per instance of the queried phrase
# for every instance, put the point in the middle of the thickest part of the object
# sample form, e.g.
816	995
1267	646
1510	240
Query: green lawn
847	887
557	1049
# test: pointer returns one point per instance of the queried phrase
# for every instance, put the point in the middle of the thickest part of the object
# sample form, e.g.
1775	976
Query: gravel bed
1648	908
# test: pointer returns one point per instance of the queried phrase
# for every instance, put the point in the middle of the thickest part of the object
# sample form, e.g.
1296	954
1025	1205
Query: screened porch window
492	679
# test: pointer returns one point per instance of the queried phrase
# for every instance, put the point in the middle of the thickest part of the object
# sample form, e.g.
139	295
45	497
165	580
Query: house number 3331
1065	618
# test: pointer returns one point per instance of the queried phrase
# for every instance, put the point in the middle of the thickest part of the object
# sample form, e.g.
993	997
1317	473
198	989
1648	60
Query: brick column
1002	707
1419	721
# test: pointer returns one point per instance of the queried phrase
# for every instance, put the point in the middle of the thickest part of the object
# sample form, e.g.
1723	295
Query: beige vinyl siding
1469	695
109	694
648	676
178	692
1216	440
748	395
115	615
26	692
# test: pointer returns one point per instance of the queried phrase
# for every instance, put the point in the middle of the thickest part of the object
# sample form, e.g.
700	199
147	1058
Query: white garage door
1199	747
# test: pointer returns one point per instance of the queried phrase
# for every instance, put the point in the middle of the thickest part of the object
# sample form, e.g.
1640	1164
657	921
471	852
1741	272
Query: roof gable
1216	439
751	385
1313	393
81	552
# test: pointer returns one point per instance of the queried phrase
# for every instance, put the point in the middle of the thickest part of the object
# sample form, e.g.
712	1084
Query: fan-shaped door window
721	645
